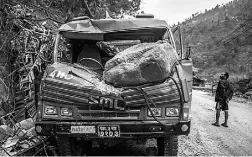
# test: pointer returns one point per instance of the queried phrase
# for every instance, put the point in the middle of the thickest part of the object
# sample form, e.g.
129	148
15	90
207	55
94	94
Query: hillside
221	39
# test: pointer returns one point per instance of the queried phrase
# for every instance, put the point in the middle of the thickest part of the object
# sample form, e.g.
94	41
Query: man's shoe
224	124
216	124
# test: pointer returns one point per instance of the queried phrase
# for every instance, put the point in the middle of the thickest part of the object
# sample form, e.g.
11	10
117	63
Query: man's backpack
227	91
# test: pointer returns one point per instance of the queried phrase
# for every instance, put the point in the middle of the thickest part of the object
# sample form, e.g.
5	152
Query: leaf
44	23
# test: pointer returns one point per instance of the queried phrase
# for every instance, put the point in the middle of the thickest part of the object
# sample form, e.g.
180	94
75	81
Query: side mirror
188	52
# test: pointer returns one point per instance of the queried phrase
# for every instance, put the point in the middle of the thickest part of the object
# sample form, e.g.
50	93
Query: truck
81	118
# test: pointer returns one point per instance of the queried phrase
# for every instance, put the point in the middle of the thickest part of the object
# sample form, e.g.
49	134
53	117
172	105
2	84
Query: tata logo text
60	74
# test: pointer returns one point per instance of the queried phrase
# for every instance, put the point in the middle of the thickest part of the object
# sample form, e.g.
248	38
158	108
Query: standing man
223	95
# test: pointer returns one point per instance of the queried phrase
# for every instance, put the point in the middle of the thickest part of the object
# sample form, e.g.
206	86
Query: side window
64	50
168	36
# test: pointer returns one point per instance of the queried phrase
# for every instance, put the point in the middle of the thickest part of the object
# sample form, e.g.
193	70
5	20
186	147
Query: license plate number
83	129
109	131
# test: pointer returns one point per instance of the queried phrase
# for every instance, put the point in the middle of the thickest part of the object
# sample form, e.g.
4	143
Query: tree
97	8
28	25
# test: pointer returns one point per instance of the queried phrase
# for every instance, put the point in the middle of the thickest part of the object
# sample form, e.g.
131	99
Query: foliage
220	38
27	32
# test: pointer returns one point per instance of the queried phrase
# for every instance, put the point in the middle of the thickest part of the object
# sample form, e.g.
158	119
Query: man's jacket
224	91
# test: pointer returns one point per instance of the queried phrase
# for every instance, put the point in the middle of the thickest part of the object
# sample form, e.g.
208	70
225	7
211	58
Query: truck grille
60	92
103	114
162	94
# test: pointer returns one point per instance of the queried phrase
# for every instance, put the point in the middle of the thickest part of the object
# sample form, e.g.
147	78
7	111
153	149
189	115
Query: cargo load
140	64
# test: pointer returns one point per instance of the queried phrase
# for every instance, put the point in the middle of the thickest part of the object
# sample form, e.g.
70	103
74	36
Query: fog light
184	127
38	128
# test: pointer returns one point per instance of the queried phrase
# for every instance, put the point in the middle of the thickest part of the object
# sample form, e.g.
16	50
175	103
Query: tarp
95	29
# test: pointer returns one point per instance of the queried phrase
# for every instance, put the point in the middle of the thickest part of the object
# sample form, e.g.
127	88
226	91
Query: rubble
25	124
248	94
5	131
20	139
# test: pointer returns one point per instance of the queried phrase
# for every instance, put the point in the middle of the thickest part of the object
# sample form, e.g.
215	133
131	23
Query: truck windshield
77	50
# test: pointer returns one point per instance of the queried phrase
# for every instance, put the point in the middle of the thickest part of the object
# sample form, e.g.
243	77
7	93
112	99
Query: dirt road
206	139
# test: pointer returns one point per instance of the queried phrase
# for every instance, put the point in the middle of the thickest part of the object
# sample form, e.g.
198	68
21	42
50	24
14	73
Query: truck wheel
168	146
64	145
151	151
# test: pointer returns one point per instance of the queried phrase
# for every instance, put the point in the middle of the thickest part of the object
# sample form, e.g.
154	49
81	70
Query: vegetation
221	39
27	31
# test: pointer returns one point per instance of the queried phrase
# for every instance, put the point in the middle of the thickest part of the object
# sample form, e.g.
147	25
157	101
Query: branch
90	15
48	18
7	89
6	37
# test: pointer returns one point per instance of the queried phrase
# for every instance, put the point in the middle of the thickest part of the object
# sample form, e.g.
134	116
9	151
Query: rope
149	101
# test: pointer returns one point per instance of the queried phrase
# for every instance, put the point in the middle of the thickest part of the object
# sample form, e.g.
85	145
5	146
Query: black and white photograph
125	78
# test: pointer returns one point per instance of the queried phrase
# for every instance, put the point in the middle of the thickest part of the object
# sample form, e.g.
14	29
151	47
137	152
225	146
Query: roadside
206	139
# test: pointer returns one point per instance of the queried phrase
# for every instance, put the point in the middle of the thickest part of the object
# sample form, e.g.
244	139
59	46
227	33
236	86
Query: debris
25	124
21	139
249	93
5	131
106	89
238	94
31	132
21	133
11	141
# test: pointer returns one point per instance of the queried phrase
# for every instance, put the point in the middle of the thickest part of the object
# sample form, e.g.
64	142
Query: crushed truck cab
76	104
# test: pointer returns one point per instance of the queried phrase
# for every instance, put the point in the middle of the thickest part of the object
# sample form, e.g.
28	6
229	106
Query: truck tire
151	151
168	146
64	145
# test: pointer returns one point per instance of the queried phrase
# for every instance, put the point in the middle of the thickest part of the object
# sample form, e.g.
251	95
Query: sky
174	11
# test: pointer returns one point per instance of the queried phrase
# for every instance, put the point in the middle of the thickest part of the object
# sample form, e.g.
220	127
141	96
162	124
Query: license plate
83	129
109	131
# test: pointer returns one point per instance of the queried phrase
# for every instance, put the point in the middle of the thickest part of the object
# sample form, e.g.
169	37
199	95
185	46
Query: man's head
224	76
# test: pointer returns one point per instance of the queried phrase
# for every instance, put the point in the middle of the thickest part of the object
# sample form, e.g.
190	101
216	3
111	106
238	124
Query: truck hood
80	76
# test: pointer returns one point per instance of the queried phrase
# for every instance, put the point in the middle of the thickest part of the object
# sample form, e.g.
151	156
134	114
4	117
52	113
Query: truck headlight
66	112
156	111
50	110
171	112
186	112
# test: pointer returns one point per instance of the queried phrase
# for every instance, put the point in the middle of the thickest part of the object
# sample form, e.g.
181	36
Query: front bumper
127	129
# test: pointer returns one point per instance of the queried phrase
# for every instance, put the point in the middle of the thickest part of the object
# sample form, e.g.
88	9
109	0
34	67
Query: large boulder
242	87
140	64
